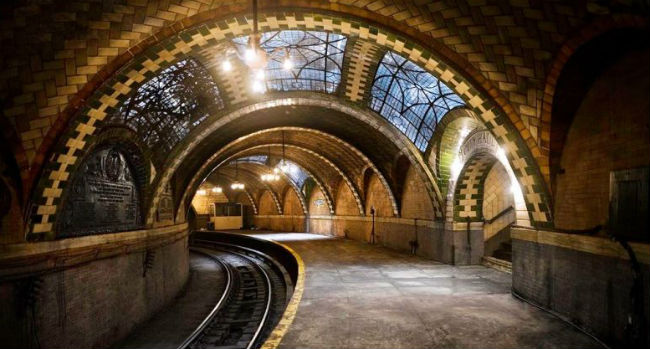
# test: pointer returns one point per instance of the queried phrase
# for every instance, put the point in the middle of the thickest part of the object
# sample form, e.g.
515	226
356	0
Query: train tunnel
324	174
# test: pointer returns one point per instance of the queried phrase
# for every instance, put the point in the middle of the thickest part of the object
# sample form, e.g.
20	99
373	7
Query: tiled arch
209	163
81	130
468	193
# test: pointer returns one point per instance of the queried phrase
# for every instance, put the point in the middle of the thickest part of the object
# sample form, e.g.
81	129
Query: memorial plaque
104	197
165	206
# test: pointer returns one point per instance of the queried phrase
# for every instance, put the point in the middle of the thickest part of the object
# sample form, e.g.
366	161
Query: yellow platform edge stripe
274	339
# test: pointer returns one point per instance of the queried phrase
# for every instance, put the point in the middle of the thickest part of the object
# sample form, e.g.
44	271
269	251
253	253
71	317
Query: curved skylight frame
256	159
163	110
411	98
317	58
296	173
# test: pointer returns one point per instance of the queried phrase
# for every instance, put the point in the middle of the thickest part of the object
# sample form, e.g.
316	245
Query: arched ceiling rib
306	158
251	179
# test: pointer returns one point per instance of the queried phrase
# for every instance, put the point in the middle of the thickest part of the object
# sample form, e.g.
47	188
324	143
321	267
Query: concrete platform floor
362	296
171	326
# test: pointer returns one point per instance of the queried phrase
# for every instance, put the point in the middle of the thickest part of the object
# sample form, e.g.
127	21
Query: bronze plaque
166	206
103	198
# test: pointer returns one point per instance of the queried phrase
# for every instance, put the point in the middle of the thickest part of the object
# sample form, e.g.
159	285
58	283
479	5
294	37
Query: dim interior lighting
257	58
272	176
226	65
201	192
217	190
284	167
236	185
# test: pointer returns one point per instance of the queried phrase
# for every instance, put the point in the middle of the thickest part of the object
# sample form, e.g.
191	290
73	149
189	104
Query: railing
499	215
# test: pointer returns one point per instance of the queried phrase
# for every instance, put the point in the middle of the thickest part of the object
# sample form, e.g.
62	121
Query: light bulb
276	170
288	64
259	74
226	66
200	192
217	190
249	55
257	86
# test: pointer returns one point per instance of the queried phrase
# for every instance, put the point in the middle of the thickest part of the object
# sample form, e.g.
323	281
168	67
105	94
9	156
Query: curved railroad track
252	302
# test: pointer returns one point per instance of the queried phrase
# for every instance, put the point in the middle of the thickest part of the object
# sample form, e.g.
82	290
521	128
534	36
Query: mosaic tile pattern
191	40
468	196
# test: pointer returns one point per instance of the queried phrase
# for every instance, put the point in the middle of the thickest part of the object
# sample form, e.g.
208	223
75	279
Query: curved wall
88	292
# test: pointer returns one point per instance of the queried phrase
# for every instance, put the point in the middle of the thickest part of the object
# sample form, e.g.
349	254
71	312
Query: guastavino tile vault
324	174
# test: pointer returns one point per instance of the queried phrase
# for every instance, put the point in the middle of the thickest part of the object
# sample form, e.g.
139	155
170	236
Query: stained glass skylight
164	109
317	58
258	159
295	173
411	98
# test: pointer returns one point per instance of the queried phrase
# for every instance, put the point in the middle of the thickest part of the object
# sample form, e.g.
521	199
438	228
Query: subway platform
358	295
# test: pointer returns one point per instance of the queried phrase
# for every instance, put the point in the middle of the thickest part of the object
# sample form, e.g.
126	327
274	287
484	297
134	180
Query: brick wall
344	203
95	304
267	205
497	196
318	207
377	197
415	201
609	132
591	290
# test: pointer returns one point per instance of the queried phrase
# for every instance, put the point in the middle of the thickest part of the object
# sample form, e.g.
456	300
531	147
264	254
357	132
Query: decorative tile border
209	164
150	62
468	196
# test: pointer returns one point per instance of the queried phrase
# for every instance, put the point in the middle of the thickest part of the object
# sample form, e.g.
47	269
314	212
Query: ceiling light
201	192
217	190
226	65
288	64
259	75
257	86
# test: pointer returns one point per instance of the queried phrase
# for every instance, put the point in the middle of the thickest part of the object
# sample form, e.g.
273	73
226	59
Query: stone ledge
497	264
19	260
589	244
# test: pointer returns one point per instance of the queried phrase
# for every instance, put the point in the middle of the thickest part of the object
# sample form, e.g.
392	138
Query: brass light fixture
256	58
271	176
236	185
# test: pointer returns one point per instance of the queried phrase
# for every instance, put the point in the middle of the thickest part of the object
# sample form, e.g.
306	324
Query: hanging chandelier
217	189
236	185
273	175
283	166
256	57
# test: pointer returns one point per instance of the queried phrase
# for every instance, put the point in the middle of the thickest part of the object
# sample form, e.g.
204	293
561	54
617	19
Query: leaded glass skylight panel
167	107
316	59
297	175
411	98
258	159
